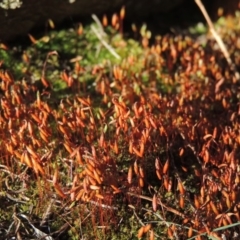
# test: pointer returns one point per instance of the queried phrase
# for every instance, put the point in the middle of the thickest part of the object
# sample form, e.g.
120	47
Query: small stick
217	37
99	24
105	44
100	34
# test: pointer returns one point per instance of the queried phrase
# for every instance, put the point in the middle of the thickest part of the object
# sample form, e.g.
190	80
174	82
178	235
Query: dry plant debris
155	137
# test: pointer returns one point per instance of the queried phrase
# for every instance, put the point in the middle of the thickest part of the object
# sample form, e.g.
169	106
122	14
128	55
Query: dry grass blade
47	213
217	38
104	43
39	234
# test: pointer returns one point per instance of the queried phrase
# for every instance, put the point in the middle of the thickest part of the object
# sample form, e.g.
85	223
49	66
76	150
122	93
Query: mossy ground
84	109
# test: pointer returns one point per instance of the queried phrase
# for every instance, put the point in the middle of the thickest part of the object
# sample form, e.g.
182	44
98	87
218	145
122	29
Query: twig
100	27
159	202
103	205
163	205
217	38
139	219
104	43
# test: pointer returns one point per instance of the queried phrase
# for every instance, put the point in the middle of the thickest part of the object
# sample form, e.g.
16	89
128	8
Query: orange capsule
14	140
99	196
169	188
85	185
180	187
51	23
59	191
36	118
166	166
115	147
214	133
73	194
33	40
17	97
9	148
122	13
79	158
116	190
129	177
196	202
94	187
147	228
47	108
206	156
152	123
31	151
233	196
3	46
94	154
136	110
137	152
55	176
43	136
154	203
101	140
68	148
142	148
185	220
141	182
37	167
151	237
92	163
89	172
197	172
45	83
181	201
225	223
214	208
135	168
105	21
131	122
184	168
92	181
141	172
134	27
80	29
225	194
130	149
181	152
224	103
170	233
97	177
157	164
147	124
190	232
85	102
165	182
140	232
158	174
114	20
30	128
28	160
19	155
145	42
79	195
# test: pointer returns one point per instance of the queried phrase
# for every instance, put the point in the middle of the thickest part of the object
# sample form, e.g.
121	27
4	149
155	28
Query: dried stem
217	38
100	34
